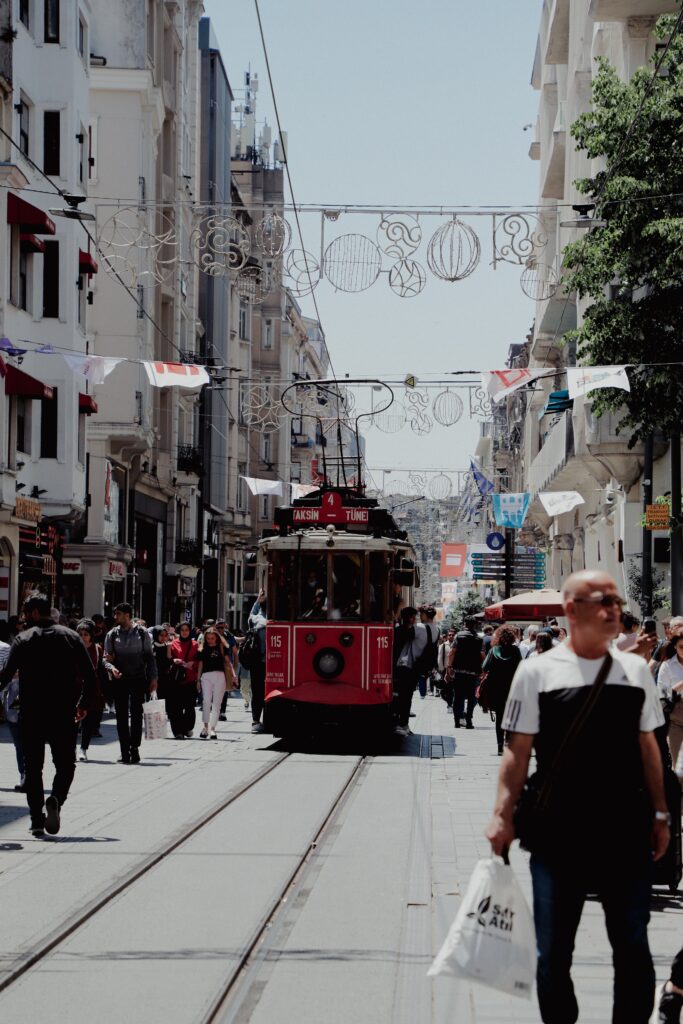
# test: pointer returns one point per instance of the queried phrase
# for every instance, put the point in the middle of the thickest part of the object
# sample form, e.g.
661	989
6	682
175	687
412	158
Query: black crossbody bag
532	810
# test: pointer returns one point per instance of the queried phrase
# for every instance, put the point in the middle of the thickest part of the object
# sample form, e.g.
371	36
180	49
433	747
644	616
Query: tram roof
316	539
344	507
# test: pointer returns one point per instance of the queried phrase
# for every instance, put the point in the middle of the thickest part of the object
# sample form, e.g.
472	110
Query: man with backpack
464	669
428	661
128	649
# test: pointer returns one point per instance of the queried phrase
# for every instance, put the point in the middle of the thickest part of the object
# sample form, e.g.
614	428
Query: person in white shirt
670	683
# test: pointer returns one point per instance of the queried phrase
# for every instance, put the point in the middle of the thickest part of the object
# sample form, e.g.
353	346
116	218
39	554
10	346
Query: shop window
51	21
51	280
51	142
48	426
24	406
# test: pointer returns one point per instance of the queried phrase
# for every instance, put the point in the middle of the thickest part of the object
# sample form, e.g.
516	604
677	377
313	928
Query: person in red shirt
182	688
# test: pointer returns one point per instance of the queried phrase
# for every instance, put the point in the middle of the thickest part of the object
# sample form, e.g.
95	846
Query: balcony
619	10
557	41
555	463
189	552
552	174
611	449
190	459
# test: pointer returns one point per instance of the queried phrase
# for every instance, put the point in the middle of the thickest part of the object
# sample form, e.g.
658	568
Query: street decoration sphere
407	278
454	251
352	263
391	420
440	487
447	408
539	281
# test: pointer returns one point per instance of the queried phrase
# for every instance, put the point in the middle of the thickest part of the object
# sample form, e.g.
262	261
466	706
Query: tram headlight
328	663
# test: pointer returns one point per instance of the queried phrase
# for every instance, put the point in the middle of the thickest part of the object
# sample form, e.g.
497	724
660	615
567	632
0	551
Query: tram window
348	575
284	586
378	577
313	596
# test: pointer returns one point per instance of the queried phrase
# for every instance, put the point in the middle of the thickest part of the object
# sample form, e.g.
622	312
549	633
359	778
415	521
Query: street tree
631	270
469	603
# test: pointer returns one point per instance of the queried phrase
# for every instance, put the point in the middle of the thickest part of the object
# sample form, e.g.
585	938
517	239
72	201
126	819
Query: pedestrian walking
10	707
180	703
90	726
498	671
410	641
670	1002
215	675
161	645
257	670
128	650
226	635
56	687
464	669
429	660
670	683
589	712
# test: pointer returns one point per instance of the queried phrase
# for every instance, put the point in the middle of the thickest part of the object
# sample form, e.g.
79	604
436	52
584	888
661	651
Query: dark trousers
15	733
128	700
89	726
559	895
422	685
464	696
677	969
180	707
60	734
258	689
405	679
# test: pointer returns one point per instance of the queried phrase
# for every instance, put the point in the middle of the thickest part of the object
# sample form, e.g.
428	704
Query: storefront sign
331	511
72	567
657	517
117	570
28	508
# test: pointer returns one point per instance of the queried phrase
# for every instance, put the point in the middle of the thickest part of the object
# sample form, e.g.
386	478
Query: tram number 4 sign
657	517
331	511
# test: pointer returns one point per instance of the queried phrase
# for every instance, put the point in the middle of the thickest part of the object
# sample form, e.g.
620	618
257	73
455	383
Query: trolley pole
646	570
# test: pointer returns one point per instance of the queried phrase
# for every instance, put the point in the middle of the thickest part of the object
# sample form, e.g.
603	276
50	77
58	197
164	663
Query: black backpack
427	661
249	652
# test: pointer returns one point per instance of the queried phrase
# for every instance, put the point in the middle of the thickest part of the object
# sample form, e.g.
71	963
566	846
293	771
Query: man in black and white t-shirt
607	812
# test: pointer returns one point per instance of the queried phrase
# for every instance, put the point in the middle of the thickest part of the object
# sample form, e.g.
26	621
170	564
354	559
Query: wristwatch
663	816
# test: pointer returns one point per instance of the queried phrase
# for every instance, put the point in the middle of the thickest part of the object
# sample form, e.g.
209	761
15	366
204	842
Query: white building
46	288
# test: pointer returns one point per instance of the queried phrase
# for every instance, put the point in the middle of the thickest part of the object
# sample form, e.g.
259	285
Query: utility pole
646	568
509	559
676	536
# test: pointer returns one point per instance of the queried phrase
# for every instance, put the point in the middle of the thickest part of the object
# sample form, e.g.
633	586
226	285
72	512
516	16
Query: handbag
249	652
531	814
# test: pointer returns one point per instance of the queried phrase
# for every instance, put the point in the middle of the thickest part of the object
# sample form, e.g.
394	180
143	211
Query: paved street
362	917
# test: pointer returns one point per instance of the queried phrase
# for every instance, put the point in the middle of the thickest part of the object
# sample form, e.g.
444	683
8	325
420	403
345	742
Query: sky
411	106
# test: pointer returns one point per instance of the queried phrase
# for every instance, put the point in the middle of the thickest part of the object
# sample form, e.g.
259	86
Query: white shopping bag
492	939
154	715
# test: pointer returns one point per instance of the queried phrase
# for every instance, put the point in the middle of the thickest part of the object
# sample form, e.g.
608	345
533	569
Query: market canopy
532	604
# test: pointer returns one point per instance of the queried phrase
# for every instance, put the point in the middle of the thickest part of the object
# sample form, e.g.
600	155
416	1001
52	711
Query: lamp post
676	536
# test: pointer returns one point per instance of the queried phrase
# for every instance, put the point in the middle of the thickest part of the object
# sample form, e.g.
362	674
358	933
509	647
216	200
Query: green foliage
660	592
470	603
641	247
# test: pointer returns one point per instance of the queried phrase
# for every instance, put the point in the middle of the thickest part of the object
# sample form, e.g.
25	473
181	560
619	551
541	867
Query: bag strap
574	731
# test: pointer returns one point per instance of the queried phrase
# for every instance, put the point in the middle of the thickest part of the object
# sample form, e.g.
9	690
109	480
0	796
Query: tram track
87	912
228	1005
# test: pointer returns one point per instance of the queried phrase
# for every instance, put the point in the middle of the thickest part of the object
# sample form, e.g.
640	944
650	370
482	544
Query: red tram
334	573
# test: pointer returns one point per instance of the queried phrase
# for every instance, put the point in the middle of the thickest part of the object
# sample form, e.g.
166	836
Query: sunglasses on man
603	600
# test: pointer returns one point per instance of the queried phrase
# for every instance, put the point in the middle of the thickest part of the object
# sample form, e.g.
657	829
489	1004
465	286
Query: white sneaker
246	705
83	755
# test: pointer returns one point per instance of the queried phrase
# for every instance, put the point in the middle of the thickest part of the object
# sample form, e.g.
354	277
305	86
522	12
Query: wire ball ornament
352	263
440	487
392	420
254	283
260	407
139	244
221	244
447	408
539	281
417	403
417	482
398	235
302	272
273	234
518	238
454	251
407	278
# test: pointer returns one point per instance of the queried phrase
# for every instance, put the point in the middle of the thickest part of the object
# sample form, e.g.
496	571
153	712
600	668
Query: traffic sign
495	541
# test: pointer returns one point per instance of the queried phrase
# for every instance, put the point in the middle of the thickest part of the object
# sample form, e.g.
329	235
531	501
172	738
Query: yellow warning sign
657	517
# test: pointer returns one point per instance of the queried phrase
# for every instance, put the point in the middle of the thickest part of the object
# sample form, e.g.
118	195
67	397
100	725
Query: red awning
86	264
29	243
19	383
29	218
86	404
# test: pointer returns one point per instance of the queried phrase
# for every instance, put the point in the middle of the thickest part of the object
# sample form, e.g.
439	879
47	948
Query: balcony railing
188	552
190	459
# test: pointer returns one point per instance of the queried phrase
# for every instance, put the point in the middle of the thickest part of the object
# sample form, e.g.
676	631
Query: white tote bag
154	715
492	939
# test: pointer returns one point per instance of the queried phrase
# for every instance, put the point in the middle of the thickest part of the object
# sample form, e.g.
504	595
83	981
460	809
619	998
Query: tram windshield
330	585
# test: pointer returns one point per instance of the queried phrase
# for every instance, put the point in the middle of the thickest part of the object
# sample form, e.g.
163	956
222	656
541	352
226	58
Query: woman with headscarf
90	725
161	645
182	682
499	667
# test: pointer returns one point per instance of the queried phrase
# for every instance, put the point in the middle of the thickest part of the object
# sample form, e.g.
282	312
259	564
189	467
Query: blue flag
511	509
484	485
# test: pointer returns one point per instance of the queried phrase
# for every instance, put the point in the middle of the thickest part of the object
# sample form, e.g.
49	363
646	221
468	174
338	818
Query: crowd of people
100	665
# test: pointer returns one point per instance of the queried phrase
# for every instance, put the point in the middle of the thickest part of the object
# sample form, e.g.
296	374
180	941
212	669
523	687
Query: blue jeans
422	685
559	896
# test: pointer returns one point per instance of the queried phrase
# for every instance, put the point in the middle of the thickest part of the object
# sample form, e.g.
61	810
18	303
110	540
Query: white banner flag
582	379
301	490
93	368
259	486
500	383
557	502
175	375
